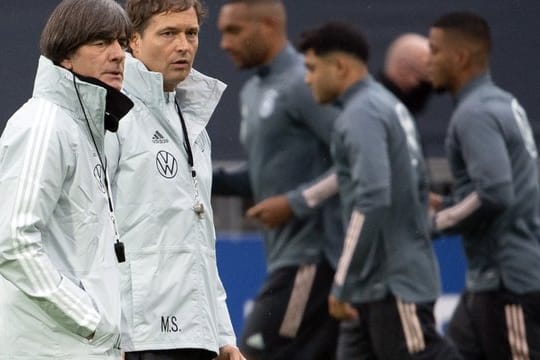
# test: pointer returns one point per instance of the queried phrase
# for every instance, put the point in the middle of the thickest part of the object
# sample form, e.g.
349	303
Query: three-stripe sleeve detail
41	280
322	190
351	240
453	215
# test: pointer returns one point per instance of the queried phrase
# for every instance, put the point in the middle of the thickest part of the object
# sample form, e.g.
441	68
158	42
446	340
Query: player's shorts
392	329
290	318
497	325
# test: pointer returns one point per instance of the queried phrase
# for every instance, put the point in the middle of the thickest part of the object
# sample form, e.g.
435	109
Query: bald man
286	135
405	71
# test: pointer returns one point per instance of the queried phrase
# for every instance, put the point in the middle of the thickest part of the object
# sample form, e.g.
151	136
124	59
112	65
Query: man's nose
116	51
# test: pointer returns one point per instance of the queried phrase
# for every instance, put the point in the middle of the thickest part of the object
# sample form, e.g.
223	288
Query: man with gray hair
59	280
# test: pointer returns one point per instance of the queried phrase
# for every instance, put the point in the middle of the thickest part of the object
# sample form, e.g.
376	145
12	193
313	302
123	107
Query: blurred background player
286	136
405	71
387	276
493	158
405	74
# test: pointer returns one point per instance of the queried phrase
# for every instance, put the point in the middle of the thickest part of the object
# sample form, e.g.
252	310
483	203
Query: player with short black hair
387	276
495	207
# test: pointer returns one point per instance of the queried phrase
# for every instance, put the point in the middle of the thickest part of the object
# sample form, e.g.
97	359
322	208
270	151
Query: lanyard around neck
118	245
187	144
198	207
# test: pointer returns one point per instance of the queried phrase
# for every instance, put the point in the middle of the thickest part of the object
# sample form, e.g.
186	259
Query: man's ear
463	57
340	64
134	43
67	64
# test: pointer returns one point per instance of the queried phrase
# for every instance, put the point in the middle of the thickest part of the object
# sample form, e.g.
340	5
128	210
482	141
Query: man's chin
181	76
114	83
438	88
324	99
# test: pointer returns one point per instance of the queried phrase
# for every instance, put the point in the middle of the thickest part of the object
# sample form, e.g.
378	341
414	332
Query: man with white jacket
59	279
173	300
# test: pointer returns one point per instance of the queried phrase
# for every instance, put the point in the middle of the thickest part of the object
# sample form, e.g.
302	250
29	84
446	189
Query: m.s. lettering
169	324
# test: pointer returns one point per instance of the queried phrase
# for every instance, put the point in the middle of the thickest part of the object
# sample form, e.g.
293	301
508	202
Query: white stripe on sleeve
351	240
322	190
37	269
453	215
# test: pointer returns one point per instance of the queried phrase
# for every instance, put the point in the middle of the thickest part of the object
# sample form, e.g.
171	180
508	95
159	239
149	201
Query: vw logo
166	164
99	174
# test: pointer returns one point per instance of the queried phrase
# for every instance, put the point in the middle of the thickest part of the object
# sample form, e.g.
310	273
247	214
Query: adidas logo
158	138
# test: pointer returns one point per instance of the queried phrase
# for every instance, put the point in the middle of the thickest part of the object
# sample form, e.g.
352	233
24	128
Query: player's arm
367	154
33	170
490	171
306	198
226	336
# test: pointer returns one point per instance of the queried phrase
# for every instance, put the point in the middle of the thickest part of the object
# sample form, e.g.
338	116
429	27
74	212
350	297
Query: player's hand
341	310
229	352
435	202
272	212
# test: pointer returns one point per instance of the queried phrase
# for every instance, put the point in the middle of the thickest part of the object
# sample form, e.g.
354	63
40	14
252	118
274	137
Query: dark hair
467	24
74	23
335	36
140	11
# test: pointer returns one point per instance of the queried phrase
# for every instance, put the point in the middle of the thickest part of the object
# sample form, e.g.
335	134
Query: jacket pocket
103	286
164	295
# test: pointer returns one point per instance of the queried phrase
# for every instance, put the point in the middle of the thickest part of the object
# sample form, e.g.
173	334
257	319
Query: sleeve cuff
227	340
298	204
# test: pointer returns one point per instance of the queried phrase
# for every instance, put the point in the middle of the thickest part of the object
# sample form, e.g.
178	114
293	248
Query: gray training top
381	178
493	158
286	136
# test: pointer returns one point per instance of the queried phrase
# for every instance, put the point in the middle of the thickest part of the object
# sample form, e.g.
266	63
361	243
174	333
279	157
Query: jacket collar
57	84
472	85
280	63
198	95
349	94
117	105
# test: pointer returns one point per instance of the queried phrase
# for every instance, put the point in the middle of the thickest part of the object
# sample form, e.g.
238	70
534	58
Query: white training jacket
59	275
171	291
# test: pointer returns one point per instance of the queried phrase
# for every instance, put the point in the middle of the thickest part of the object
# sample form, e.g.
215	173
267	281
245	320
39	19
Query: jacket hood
198	95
